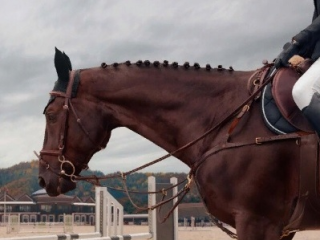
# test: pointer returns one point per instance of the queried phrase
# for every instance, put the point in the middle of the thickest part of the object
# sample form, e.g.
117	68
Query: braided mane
186	65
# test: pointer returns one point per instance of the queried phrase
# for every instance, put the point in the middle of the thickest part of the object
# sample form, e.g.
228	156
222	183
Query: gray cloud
237	33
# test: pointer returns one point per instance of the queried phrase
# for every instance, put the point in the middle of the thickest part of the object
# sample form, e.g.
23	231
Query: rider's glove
290	50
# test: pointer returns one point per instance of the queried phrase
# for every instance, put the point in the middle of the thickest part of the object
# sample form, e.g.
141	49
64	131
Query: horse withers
245	179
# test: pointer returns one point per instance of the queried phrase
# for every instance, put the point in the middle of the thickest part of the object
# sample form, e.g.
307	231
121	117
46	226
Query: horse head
69	140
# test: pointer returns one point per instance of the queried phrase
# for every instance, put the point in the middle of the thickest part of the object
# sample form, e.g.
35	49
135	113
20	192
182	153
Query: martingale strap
230	145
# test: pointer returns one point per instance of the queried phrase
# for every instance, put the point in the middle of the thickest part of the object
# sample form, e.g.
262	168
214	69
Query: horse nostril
41	182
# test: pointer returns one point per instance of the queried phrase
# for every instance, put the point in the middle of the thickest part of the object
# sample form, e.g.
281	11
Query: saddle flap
282	86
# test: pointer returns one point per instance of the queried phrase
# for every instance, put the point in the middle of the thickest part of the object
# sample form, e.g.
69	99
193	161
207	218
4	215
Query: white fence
109	220
15	226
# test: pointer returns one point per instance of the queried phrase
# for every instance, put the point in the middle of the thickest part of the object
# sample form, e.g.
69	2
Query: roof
39	192
6	197
87	199
41	196
58	199
24	198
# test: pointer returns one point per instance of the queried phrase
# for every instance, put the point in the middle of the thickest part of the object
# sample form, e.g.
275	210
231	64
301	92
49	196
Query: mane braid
175	65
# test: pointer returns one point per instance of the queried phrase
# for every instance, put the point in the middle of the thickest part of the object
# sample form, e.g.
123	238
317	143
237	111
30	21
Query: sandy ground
206	233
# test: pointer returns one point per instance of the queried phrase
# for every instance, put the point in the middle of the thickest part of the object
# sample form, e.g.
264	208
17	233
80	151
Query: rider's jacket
309	38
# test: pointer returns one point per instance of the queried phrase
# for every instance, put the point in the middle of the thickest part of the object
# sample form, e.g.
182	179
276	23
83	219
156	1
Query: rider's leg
306	94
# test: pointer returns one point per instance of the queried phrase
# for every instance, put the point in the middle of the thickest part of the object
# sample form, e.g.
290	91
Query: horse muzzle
53	181
56	185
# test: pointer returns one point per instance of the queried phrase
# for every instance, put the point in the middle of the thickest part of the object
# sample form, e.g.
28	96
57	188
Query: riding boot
312	112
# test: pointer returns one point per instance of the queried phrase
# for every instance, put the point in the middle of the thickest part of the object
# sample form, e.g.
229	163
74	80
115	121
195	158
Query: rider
306	91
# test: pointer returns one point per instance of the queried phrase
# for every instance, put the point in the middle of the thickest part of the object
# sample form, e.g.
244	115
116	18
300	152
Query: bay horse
253	187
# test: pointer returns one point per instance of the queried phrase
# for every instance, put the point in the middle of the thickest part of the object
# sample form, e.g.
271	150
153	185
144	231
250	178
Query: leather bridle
60	151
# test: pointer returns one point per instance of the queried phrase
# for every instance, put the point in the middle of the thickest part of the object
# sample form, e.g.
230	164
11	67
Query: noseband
59	152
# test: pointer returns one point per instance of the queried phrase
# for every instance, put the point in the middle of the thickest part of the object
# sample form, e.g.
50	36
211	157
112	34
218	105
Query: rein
93	179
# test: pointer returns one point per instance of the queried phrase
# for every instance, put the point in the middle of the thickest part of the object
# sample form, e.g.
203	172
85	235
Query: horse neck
170	107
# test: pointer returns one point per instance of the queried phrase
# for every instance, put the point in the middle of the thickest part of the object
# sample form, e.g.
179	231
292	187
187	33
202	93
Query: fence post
152	218
106	203
168	229
101	214
174	181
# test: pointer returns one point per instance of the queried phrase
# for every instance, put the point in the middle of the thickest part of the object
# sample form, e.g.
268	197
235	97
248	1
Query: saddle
279	110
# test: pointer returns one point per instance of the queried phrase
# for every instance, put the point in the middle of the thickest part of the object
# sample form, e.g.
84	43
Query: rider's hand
296	60
283	59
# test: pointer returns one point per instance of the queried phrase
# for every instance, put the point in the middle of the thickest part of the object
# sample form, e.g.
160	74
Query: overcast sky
238	33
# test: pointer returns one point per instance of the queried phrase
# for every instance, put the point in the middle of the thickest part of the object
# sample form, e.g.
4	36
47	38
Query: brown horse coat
252	188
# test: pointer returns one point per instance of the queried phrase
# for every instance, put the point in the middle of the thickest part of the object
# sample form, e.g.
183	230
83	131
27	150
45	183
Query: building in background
40	207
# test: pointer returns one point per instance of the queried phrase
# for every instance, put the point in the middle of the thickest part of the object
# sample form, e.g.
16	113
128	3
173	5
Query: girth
306	215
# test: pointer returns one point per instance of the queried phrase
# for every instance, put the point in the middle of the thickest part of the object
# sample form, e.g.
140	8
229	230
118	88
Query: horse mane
156	64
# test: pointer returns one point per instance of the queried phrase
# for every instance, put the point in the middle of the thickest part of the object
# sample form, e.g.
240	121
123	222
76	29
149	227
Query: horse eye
51	117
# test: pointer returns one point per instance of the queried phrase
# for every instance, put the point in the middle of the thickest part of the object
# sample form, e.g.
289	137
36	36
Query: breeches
307	85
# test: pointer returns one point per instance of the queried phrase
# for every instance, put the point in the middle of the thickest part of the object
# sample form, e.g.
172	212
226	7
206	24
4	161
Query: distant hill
22	178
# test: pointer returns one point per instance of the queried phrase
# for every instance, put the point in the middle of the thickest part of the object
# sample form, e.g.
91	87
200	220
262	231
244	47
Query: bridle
60	151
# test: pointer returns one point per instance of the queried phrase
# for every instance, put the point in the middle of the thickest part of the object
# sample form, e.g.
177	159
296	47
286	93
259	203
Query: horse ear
68	61
62	64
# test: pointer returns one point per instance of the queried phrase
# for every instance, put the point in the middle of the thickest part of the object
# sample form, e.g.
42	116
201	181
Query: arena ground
203	233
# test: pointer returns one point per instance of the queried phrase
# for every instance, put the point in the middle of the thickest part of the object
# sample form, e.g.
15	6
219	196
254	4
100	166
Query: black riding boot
312	112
